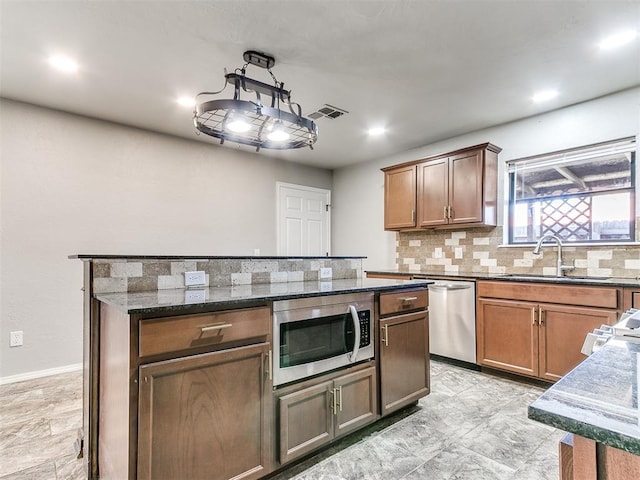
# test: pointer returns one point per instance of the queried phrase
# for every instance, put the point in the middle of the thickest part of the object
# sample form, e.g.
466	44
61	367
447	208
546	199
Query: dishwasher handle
448	286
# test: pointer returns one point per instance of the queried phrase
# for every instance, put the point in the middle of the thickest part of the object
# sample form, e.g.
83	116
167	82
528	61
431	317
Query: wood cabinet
403	349
205	416
316	412
630	298
518	331
585	459
444	191
400	198
185	396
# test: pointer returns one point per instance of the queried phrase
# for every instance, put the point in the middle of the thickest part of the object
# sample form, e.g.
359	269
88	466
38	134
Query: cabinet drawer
579	295
163	335
402	302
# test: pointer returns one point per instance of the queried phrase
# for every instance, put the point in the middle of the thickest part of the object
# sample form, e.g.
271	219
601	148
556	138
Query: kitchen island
181	381
597	403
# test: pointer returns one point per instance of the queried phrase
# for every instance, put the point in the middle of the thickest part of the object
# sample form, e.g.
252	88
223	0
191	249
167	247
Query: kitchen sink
553	278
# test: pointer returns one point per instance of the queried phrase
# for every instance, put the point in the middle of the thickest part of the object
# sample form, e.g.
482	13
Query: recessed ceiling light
618	39
186	101
63	63
376	131
545	95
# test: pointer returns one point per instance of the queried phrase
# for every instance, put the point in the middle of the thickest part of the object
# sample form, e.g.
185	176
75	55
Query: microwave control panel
365	328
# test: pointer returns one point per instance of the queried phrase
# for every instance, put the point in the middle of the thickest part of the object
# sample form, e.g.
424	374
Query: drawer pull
216	326
408	299
384	338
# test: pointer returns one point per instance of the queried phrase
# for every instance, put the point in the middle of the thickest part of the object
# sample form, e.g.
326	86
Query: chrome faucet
561	269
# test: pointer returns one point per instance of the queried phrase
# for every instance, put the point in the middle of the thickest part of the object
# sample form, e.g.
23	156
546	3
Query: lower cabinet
315	414
584	459
404	360
205	416
532	338
403	349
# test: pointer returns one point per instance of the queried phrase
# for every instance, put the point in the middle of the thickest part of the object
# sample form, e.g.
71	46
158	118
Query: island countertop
598	399
178	299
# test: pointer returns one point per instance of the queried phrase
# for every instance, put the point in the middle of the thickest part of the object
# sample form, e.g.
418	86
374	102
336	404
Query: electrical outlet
326	272
256	252
195	296
194	278
16	339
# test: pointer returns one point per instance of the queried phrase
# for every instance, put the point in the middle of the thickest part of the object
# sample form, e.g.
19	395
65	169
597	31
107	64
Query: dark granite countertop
82	256
567	280
598	399
178	299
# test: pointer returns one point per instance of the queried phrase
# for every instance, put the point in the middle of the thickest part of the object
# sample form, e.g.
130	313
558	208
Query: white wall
358	191
71	185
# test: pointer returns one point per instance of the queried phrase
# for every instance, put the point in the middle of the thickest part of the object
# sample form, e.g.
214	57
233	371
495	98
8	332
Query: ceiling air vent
327	111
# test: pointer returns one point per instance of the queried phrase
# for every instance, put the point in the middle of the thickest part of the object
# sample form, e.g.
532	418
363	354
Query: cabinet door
433	193
205	416
507	335
562	332
356	404
306	420
465	187
404	360
400	198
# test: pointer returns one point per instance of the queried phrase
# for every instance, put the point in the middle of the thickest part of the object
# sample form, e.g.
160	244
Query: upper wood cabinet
452	190
400	198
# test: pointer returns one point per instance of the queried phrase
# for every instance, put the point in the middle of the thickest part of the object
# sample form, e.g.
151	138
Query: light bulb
238	124
63	63
278	134
545	95
618	39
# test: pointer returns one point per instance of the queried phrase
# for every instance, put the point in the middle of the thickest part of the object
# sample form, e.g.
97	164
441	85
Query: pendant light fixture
250	122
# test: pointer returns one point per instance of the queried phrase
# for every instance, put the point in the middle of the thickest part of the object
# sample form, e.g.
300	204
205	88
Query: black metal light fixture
250	122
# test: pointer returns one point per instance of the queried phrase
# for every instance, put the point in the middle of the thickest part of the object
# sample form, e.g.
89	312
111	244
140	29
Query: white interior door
303	220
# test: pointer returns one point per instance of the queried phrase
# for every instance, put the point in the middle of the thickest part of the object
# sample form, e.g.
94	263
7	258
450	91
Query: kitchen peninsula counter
598	399
143	327
597	403
237	296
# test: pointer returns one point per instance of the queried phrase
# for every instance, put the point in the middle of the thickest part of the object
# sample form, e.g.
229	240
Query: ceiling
427	70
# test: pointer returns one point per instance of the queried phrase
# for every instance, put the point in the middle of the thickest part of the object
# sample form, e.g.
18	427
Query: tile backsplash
480	251
139	275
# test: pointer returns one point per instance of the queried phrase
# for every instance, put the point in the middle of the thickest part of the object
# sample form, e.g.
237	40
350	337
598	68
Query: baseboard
40	373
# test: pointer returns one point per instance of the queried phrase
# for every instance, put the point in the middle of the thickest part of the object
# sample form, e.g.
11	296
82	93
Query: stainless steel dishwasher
452	319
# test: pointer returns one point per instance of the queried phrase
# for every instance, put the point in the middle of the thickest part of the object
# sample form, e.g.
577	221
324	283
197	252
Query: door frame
327	193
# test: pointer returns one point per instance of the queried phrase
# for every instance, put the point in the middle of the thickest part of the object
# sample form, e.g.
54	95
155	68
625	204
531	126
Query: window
582	195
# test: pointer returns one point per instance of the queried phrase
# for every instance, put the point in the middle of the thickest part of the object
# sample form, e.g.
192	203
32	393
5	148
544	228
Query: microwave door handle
356	329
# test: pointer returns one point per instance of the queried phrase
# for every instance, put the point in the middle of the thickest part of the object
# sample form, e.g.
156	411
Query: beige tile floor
472	426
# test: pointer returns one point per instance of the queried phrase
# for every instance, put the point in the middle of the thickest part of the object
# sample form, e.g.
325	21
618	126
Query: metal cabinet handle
444	212
216	326
270	370
340	397
533	316
408	299
334	405
449	214
413	216
384	337
541	317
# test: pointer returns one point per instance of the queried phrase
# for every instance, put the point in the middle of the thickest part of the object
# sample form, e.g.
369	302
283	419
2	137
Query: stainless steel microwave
317	334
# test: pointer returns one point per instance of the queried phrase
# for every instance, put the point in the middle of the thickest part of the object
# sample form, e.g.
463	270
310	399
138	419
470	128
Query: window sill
567	245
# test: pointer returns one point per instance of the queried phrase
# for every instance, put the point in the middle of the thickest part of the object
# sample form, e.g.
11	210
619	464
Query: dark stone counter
598	399
566	280
177	299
